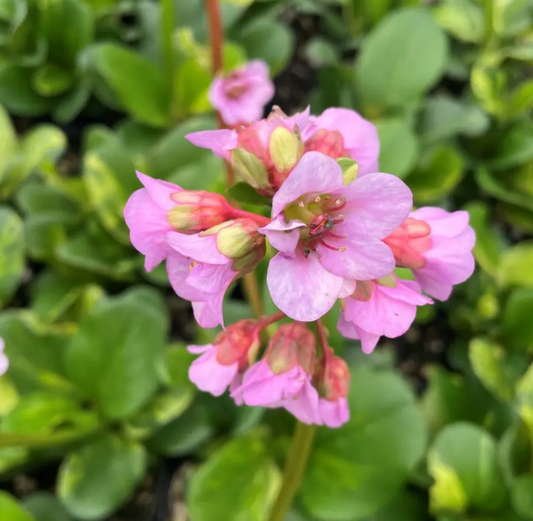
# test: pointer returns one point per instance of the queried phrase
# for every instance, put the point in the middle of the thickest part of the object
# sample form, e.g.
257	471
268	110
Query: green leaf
398	147
437	175
514	148
183	435
512	17
10	509
488	84
463	463
174	370
522	495
267	40
51	80
68	27
515	265
520	100
489	364
138	83
395	45
8	142
516	321
11	253
487	249
99	478
16	92
238	482
464	19
45	507
444	117
514	451
114	355
72	102
321	52
370	456
244	193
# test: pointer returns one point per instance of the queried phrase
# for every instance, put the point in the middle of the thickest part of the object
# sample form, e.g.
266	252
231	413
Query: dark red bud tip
239	343
293	344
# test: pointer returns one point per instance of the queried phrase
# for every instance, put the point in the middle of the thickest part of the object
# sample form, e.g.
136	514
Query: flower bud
250	169
197	210
237	238
239	343
334	378
329	142
409	242
285	148
293	344
350	168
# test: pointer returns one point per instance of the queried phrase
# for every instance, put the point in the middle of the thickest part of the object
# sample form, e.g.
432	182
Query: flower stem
302	441
261	220
253	294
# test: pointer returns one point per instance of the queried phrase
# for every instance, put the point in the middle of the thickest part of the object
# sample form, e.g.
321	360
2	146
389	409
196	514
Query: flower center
236	90
321	214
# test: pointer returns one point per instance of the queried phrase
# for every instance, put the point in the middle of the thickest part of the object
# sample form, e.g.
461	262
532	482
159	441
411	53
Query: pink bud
409	242
292	345
198	210
239	343
334	378
329	142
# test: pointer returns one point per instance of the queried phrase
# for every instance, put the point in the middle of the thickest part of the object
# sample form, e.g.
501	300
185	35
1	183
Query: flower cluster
338	229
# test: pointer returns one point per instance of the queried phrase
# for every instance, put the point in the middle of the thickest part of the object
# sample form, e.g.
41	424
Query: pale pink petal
301	287
360	136
304	406
334	414
348	287
406	291
314	174
283	235
233	386
350	330
210	376
381	202
159	191
258	68
198	350
205	315
197	247
220	142
441	221
211	278
178	270
358	258
148	226
368	341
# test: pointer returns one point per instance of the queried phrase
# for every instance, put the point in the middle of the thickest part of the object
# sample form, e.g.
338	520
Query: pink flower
437	246
202	266
336	133
4	361
334	386
329	235
283	377
221	362
241	95
161	207
375	310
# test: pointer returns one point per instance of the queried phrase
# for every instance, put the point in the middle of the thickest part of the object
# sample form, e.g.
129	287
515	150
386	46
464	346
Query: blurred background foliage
98	418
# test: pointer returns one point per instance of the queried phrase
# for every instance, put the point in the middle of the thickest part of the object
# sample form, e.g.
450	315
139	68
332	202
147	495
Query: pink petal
314	174
381	202
220	142
304	406
301	287
198	350
361	259
350	330
283	235
178	270
334	414
211	278
159	191
348	287
360	136
148	226
196	247
368	341
210	376
205	315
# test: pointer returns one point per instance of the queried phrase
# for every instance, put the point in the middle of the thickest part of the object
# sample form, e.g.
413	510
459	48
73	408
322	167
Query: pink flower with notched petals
241	95
329	235
375	310
437	246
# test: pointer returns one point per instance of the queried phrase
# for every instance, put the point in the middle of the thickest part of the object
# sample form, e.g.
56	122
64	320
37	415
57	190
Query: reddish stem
216	39
261	220
322	335
266	321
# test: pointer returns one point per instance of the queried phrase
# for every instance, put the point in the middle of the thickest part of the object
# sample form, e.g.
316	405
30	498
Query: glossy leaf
398	147
517	323
10	509
11	253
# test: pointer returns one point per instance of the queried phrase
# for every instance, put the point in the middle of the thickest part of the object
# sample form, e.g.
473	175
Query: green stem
302	441
167	25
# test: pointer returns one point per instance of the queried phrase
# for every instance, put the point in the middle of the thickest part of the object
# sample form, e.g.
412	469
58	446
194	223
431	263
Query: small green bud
285	148
350	168
250	169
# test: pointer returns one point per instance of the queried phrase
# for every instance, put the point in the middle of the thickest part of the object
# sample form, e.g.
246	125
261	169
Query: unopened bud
238	238
334	380
239	343
388	281
285	148
409	242
329	142
293	344
250	169
197	210
350	168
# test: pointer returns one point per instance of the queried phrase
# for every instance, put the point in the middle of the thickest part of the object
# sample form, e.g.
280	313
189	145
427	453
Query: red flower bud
329	142
409	242
197	210
293	344
334	378
239	343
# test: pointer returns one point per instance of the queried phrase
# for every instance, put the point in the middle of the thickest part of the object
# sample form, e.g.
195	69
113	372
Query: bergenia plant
337	231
